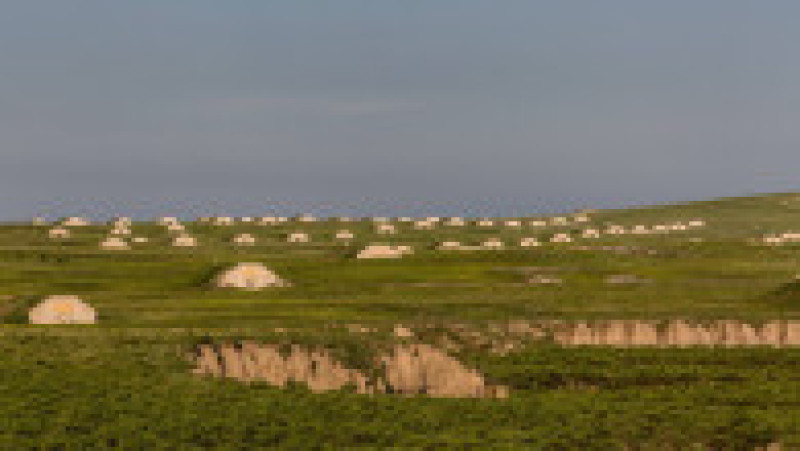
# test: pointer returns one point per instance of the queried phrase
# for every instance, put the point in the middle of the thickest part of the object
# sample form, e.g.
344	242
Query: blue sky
391	107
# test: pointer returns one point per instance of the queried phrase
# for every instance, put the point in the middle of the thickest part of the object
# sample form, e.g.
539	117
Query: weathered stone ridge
410	370
775	333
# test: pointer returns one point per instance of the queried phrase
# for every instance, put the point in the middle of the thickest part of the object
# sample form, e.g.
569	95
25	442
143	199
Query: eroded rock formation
409	370
423	369
776	333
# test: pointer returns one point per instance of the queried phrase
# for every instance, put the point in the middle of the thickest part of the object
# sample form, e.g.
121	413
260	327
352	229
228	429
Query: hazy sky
386	106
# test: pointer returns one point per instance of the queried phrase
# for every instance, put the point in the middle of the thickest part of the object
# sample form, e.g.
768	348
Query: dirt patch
417	369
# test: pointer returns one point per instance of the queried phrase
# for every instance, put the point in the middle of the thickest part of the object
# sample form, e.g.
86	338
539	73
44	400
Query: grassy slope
111	383
159	285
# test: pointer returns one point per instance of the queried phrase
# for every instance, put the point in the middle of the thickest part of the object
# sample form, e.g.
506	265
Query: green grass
133	390
122	382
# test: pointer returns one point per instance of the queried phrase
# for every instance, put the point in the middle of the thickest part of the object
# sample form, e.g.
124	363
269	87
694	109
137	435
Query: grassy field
125	382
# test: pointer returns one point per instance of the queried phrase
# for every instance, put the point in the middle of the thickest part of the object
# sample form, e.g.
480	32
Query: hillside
127	381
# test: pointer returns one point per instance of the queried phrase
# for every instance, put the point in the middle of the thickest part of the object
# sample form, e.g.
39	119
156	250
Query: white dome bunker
62	309
249	276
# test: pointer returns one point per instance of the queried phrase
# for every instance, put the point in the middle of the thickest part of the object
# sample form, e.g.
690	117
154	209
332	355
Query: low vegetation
127	381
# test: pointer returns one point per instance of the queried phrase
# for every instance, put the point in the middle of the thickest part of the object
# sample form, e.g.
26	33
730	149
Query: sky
393	107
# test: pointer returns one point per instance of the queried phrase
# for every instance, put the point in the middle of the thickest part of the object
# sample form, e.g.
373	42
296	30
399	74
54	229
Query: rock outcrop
674	333
410	370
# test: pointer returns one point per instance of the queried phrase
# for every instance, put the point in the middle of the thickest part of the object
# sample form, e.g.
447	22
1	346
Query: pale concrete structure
492	243
62	309
122	220
513	223
249	276
485	223
59	233
561	238
449	245
344	235
529	242
167	220
223	221
590	233
617	279
76	221
615	230
244	239
175	227
423	225
538	223
540	279
184	241
386	229
123	231
114	243
383	251
140	239
298	237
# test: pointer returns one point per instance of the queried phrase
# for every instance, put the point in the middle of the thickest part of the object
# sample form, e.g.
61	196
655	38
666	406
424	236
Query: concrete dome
248	276
62	309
